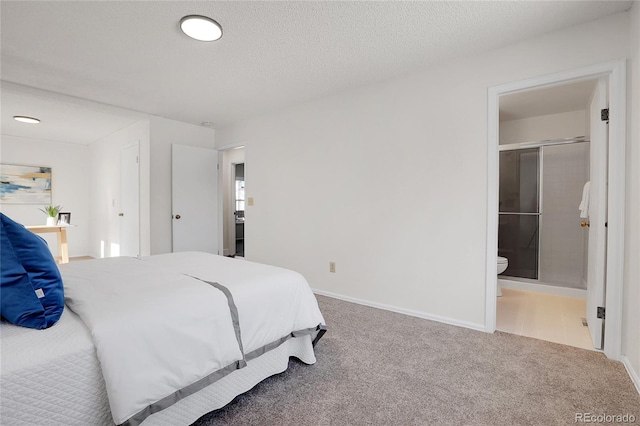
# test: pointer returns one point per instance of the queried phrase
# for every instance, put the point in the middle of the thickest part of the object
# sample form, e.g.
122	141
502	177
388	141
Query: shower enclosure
539	226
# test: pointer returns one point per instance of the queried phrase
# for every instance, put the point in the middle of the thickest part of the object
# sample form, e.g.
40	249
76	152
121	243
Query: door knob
178	216
584	223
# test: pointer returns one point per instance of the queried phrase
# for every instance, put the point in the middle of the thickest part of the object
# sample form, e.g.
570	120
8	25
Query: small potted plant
52	214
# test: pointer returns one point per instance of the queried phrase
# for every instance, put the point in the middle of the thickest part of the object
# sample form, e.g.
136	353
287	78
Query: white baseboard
543	288
410	312
635	378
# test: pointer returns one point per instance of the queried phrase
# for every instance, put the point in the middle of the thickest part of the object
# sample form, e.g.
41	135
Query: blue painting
25	184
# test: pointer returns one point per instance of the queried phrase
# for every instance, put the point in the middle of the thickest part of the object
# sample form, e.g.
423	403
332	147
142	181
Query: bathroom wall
552	126
562	240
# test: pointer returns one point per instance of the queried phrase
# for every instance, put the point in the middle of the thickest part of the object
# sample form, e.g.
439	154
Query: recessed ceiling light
25	119
201	28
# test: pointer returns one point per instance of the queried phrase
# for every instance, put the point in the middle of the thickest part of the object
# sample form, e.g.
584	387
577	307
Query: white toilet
503	263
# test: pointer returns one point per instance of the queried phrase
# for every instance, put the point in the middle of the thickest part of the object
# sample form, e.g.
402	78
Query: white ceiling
63	119
272	54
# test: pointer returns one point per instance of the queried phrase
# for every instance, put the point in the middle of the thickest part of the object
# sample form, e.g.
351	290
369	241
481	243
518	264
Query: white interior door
194	198
129	201
597	214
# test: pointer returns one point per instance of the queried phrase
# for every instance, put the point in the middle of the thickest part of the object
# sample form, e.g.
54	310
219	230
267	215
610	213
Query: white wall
229	158
105	189
631	318
165	132
69	181
390	180
543	127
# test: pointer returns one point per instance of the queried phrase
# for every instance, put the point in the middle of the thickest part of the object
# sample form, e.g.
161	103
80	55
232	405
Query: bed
134	343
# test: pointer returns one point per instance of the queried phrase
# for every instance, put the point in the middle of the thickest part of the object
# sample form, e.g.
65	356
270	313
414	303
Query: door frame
231	198
231	223
232	210
615	71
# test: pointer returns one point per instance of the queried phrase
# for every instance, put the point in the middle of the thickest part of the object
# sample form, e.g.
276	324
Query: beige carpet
381	368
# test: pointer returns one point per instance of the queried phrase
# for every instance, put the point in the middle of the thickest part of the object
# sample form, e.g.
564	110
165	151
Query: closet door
129	201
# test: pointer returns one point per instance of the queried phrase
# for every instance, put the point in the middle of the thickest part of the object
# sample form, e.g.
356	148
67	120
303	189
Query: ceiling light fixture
201	28
25	119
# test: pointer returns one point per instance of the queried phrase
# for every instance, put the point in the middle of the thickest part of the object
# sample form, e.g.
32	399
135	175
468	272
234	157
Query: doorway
239	205
233	172
614	75
544	166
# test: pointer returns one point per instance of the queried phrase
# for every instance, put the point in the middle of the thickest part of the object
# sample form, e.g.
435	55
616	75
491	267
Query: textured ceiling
272	54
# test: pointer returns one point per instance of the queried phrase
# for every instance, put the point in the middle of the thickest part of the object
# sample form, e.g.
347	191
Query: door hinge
604	114
601	312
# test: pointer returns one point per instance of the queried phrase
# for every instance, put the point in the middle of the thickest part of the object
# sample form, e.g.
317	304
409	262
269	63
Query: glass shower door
519	210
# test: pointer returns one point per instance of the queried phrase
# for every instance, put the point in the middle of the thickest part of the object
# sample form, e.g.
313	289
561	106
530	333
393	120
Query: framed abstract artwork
25	184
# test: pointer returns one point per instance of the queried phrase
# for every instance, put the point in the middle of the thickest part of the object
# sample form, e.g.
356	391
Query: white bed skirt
222	392
53	377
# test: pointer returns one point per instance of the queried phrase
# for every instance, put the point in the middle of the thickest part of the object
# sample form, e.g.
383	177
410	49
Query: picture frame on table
64	218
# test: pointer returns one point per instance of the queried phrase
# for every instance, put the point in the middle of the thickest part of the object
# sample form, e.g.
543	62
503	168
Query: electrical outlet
332	266
250	201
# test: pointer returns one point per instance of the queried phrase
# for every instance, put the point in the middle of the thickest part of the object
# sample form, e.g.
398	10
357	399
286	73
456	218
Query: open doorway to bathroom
544	166
605	298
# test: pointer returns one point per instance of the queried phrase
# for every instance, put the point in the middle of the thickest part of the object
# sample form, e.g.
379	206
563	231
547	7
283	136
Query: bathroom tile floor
543	316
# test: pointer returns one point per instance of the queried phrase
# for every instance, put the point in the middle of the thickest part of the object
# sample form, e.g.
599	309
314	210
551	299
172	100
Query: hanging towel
584	204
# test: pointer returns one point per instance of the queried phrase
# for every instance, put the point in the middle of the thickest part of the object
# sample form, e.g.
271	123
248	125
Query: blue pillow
18	301
33	254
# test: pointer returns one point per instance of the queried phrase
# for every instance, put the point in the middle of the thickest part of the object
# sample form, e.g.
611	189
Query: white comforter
272	302
162	332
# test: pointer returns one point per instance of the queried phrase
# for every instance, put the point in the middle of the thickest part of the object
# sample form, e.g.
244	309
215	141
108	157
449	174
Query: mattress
53	377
